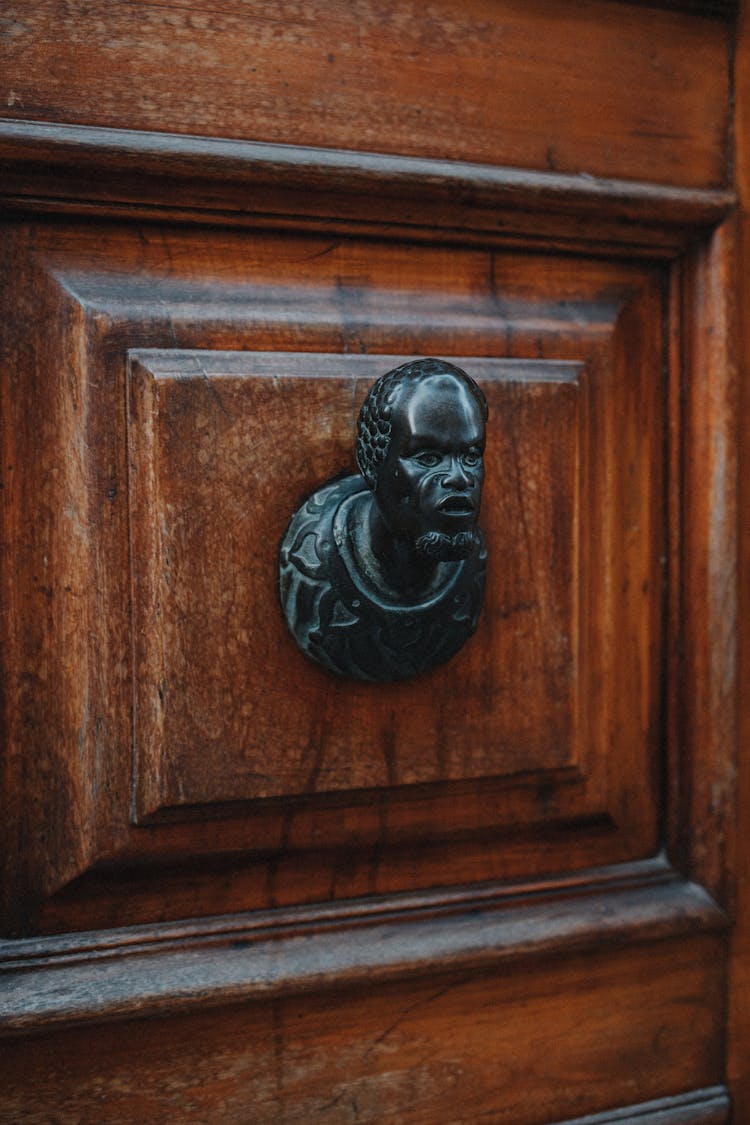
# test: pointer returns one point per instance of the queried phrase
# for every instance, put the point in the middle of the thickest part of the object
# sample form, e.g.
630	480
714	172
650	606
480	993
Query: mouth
456	506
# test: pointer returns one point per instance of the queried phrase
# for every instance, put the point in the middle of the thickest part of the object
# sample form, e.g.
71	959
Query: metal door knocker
382	573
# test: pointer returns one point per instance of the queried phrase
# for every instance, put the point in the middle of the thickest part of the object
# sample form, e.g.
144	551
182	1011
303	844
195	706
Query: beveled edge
85	169
177	967
706	1106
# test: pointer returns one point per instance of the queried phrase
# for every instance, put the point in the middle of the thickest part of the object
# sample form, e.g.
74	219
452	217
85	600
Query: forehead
439	410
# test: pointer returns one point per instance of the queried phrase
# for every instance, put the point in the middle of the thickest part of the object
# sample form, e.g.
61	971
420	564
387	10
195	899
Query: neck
403	569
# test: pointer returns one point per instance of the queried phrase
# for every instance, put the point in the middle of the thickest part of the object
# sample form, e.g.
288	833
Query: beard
438	546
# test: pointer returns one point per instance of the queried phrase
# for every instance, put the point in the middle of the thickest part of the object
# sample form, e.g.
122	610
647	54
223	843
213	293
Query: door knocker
382	573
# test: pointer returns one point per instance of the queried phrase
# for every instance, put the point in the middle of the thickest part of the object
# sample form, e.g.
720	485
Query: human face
431	479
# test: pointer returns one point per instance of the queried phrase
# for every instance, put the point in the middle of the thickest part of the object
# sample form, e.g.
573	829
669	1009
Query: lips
456	506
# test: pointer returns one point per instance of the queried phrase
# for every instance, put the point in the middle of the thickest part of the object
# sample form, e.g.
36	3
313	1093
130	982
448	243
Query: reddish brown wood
738	1065
216	471
51	981
608	529
129	173
386	78
450	1047
49	570
708	613
413	937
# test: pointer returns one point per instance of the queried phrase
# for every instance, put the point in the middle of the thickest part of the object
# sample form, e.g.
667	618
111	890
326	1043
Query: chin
439	546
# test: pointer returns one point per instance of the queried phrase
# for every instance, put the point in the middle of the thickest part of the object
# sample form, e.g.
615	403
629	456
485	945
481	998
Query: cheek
408	481
420	485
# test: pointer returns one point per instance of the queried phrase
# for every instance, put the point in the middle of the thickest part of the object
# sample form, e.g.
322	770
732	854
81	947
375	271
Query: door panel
220	433
541	721
234	886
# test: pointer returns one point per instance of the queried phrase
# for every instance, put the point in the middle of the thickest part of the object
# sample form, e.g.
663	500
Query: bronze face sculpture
382	574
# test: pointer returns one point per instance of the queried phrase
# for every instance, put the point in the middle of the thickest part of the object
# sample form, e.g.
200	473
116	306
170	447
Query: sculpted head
420	448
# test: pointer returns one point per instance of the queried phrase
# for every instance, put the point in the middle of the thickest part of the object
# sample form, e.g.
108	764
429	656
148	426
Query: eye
472	457
428	458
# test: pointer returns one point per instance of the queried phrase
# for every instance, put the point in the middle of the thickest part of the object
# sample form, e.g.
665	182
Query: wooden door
236	888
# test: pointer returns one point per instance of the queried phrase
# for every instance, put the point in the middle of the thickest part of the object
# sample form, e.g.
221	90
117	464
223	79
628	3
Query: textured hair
374	423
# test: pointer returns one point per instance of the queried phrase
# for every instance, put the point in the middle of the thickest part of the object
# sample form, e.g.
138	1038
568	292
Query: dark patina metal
382	573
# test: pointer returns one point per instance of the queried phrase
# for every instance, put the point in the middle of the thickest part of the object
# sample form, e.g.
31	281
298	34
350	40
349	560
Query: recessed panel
224	448
538	749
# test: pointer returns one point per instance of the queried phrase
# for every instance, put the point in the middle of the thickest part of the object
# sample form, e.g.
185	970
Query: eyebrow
422	441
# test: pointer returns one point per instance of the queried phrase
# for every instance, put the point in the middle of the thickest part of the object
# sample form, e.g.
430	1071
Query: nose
457	476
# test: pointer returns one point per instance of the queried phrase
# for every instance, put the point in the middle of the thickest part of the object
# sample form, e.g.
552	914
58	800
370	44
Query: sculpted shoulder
308	541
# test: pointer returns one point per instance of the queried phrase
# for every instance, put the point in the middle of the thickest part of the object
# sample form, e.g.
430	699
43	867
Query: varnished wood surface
215	444
466	83
134	174
709	711
143	972
573	1035
109	291
536	181
738	1061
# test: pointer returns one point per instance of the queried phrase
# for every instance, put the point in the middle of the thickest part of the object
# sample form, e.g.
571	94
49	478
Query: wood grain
386	78
450	1047
48	982
135	174
217	468
537	182
709	566
172	289
739	873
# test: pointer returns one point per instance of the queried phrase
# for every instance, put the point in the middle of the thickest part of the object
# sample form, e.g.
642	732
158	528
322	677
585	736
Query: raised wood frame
706	388
672	902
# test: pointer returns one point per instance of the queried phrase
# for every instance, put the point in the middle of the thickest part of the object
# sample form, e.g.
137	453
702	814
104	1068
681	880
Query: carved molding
141	970
97	317
91	170
709	1106
94	316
